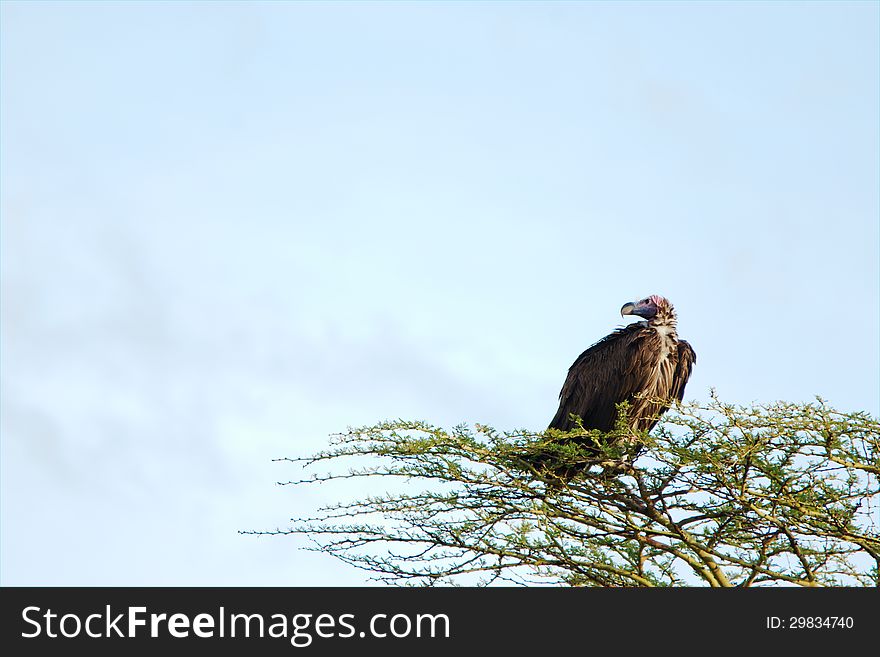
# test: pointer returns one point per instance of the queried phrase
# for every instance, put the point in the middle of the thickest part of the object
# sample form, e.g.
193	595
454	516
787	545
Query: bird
643	363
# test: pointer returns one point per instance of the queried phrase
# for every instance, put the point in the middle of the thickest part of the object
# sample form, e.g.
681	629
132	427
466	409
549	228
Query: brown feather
638	363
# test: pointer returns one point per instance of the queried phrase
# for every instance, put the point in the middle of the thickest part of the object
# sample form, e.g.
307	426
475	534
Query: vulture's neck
664	322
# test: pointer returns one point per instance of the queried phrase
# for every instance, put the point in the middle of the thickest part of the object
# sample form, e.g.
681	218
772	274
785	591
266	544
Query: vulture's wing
607	373
686	359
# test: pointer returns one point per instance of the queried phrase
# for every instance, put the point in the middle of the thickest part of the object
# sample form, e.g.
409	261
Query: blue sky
229	230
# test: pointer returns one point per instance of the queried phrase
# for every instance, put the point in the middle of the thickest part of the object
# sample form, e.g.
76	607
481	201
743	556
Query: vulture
643	363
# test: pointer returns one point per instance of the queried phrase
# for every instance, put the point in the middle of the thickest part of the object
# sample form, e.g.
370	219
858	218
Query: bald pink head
648	307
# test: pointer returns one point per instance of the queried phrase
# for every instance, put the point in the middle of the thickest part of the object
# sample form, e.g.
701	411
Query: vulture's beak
627	309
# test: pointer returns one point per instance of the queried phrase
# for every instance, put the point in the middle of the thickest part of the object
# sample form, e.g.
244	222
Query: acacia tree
717	495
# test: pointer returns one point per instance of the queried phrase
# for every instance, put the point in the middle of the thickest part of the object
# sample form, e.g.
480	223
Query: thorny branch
721	495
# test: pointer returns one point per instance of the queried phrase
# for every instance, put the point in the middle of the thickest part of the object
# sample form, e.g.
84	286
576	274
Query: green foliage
717	495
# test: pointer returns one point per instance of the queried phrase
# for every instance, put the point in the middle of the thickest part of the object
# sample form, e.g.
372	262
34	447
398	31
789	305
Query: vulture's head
649	307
